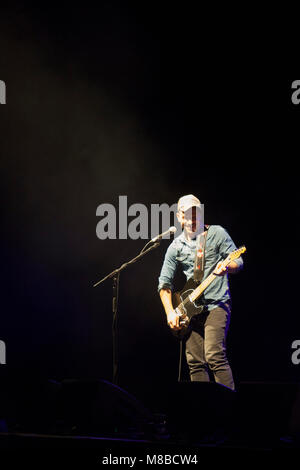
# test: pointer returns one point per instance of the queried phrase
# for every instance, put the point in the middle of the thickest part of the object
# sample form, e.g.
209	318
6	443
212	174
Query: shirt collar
182	239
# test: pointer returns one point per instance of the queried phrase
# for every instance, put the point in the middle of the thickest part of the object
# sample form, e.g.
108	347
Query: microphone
158	237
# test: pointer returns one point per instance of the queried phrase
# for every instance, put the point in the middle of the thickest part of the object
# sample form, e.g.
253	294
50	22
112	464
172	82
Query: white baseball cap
186	202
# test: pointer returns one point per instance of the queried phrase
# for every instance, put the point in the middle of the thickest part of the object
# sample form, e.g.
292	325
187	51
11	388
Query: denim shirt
181	254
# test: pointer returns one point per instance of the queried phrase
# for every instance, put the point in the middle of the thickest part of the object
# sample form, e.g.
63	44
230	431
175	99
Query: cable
180	361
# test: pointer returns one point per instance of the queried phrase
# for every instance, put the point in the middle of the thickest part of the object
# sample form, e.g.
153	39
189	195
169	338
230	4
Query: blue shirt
181	254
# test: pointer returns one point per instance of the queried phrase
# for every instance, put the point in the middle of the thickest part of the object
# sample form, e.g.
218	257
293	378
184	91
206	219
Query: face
191	220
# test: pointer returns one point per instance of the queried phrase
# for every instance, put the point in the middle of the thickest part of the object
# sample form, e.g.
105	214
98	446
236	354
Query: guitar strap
200	256
198	276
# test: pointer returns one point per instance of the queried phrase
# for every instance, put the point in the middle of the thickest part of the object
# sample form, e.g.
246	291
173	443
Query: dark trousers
206	346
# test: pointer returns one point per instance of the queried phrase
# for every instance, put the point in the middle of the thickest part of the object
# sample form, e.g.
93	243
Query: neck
191	236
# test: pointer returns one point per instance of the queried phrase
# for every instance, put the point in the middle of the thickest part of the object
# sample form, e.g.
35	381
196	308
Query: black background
123	99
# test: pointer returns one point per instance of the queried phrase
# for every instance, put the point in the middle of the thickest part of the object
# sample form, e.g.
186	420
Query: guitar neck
200	289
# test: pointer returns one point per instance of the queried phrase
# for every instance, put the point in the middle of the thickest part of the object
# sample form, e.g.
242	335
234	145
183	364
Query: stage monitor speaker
99	407
28	403
195	410
268	411
93	407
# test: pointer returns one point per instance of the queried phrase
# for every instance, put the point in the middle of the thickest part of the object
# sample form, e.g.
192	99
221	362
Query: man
206	341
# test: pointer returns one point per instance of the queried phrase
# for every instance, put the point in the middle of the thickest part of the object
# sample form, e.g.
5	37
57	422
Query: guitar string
207	280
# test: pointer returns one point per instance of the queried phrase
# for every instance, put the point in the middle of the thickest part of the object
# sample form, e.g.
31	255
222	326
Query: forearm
233	267
166	298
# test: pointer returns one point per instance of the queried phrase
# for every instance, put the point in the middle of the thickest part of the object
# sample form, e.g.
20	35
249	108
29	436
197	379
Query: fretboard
200	289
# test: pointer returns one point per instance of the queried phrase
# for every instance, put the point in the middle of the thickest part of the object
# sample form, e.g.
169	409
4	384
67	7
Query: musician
205	343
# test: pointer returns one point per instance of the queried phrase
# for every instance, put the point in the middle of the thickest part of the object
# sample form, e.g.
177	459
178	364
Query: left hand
220	269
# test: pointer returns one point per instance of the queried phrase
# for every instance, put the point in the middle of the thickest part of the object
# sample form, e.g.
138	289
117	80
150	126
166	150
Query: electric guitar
188	303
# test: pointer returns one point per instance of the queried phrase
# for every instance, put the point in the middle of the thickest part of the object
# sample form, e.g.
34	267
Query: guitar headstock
236	253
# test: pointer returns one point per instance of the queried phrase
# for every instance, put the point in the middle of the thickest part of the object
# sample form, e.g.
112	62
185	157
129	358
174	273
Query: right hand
173	320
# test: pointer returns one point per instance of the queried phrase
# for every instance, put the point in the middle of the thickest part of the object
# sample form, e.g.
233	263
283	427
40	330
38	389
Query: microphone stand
115	275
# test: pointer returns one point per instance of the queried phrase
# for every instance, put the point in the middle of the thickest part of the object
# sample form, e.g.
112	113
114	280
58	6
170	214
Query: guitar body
188	302
185	308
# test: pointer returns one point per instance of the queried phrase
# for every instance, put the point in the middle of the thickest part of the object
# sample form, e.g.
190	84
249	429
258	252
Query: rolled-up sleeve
226	246
165	280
